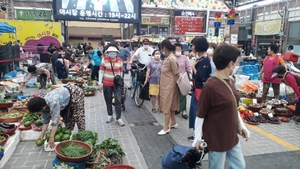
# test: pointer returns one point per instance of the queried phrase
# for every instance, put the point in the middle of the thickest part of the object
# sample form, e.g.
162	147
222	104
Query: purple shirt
155	69
184	64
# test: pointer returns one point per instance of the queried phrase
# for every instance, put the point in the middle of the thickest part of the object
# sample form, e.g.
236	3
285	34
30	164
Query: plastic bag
11	74
31	83
240	80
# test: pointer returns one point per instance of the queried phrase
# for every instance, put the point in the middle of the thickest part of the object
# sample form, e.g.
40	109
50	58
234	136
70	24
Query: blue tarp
5	28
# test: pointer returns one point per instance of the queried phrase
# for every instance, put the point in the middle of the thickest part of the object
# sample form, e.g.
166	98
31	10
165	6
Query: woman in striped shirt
109	68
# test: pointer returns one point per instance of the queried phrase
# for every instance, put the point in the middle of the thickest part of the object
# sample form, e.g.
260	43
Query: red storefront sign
185	24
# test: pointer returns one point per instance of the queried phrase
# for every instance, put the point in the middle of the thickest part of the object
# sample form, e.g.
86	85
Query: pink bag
128	66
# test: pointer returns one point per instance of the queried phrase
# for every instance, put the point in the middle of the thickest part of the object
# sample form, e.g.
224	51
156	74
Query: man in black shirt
56	55
51	48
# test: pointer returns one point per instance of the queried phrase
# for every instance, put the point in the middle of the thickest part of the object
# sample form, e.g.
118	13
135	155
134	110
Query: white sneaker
109	119
120	122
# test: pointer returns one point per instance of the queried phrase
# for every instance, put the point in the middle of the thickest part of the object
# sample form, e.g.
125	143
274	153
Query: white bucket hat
112	49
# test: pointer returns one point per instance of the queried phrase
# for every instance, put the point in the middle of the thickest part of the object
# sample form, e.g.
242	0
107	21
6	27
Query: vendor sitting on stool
66	102
45	72
293	80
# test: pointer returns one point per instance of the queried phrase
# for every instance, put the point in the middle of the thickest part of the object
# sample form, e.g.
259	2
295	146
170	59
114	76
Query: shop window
144	29
163	30
153	29
294	31
76	38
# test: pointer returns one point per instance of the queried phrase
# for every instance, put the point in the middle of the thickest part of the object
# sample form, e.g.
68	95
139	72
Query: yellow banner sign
155	20
32	33
268	27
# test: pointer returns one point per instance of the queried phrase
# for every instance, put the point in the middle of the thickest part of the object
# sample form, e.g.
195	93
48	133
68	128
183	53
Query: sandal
184	115
153	110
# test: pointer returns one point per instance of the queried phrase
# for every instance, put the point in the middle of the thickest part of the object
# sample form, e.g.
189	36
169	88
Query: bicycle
138	83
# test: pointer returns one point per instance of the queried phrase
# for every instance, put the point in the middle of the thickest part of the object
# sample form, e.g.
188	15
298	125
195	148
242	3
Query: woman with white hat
111	70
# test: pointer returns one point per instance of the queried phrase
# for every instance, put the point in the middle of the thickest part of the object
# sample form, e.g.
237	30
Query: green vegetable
89	90
112	145
30	117
90	137
73	150
3	101
11	115
1	149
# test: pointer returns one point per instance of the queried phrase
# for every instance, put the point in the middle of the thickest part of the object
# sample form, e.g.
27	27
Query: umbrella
5	28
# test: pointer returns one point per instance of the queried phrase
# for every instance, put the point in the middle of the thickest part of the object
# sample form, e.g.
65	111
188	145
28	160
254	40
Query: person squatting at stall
270	62
45	72
293	80
66	102
217	116
111	67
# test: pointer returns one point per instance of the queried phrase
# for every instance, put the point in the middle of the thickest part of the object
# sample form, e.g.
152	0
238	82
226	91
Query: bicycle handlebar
139	68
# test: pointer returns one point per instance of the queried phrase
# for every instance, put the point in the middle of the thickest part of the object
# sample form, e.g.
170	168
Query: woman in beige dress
168	94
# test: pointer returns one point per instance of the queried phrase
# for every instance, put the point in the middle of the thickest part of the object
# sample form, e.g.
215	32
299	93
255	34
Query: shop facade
155	24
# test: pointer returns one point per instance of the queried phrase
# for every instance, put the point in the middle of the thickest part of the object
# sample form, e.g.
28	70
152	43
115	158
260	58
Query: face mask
145	46
209	51
112	55
234	70
178	53
156	56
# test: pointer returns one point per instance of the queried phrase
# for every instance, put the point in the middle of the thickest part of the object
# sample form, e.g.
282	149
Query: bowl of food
3	139
10	117
73	151
4	104
255	107
265	112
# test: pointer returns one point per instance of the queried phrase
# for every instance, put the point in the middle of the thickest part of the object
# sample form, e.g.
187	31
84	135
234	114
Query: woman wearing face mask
210	52
168	89
152	76
218	121
110	67
184	66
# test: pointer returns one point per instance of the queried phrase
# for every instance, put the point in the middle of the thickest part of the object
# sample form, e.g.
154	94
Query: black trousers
95	72
298	108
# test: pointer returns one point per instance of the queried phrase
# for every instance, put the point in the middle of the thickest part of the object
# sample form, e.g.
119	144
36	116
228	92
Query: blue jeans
234	157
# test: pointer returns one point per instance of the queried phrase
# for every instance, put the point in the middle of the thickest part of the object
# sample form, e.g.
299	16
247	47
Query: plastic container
290	56
120	166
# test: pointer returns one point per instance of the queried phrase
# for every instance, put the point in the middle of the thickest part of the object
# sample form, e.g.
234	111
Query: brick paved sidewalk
28	156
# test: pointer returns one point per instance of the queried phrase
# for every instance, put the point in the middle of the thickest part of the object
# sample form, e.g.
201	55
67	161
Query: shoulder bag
183	83
118	80
239	128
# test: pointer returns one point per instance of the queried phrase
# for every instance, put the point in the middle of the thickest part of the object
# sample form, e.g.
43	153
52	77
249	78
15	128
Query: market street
270	146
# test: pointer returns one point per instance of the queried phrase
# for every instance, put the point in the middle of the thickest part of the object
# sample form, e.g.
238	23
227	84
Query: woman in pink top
293	80
270	62
184	66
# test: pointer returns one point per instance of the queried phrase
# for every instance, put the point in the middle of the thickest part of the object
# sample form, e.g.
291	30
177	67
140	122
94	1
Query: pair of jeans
94	74
111	92
234	157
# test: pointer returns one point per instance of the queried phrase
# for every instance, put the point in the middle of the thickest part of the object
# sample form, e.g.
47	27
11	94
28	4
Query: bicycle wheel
138	102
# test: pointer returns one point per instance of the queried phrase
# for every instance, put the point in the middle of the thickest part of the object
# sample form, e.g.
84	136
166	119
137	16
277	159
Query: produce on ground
80	79
245	112
7	126
61	134
273	119
3	101
256	105
2	138
11	115
48	85
266	111
89	90
260	118
73	150
87	136
30	117
112	145
62	166
251	119
39	142
21	104
291	107
1	149
38	123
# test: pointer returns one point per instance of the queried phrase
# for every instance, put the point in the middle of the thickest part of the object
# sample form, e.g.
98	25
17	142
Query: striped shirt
108	77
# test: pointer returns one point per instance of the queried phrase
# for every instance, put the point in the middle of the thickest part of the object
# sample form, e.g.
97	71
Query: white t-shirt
144	56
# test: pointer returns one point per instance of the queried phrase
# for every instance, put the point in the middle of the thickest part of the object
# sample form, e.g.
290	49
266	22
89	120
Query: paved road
270	146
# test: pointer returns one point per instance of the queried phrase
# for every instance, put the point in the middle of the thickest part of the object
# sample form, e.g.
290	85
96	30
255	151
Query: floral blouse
56	100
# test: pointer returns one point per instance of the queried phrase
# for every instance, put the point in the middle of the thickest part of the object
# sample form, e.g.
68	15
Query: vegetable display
73	150
249	87
112	145
89	90
87	136
48	85
3	101
30	117
61	134
21	104
11	115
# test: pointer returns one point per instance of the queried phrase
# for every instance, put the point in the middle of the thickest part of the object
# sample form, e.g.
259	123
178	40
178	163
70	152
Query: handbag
239	131
118	80
183	83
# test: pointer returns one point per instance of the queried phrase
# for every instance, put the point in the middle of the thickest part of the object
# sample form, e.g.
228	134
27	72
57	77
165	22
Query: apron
269	65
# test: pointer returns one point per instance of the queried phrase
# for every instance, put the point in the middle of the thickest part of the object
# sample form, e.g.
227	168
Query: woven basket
106	158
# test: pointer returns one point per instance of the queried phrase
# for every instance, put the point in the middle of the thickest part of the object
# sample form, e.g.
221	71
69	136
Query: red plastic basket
120	166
